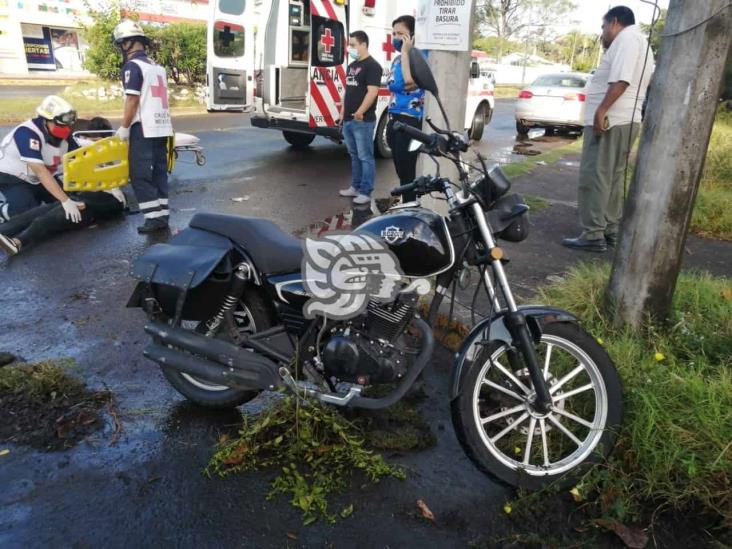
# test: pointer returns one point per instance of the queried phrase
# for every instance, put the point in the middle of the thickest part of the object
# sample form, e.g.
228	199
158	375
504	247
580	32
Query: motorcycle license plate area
99	166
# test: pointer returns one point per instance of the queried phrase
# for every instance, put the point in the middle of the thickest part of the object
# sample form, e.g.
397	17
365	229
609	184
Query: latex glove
72	209
123	133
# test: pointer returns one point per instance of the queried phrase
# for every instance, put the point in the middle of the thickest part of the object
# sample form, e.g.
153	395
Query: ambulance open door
327	63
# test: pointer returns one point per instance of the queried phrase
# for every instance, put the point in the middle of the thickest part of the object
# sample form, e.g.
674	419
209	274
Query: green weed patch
675	448
314	449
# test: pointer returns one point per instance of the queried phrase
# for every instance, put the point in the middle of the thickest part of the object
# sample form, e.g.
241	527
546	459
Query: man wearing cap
146	123
30	156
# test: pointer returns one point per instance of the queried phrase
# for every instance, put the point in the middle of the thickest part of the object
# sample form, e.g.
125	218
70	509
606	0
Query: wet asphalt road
66	299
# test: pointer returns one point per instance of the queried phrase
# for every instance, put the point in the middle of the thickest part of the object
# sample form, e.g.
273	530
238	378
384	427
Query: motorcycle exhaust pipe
249	368
428	345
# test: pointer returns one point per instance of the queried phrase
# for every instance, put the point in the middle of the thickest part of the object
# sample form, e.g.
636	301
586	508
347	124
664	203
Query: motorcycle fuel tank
419	238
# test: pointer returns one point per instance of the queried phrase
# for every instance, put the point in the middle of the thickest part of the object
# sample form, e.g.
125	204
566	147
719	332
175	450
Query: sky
589	12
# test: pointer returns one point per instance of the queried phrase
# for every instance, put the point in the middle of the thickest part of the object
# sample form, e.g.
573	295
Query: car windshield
560	81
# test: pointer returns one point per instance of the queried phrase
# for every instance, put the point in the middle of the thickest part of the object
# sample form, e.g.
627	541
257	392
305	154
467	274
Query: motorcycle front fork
515	320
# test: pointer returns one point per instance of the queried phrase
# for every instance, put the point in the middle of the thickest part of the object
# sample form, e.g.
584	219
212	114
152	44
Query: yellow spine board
99	166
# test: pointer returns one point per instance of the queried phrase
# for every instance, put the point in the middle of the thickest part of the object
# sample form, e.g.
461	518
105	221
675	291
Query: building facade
45	35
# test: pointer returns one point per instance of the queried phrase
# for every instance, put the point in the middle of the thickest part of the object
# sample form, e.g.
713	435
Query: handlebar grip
414	133
402	189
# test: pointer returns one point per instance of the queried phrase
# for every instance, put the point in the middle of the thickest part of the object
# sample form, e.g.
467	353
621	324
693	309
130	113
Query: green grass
675	448
536	203
713	210
21	108
40	381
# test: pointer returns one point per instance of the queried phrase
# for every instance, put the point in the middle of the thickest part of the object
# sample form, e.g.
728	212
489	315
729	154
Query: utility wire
699	24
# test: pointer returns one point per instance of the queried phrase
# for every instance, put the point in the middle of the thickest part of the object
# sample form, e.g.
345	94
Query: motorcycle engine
368	350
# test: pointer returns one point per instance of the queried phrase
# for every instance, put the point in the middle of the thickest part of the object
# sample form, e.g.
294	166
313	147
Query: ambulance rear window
328	42
228	39
232	7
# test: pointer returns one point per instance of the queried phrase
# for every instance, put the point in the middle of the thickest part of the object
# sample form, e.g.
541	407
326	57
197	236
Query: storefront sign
39	52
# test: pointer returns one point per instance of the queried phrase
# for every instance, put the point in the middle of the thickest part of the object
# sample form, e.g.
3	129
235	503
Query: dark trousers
149	172
38	224
405	161
18	196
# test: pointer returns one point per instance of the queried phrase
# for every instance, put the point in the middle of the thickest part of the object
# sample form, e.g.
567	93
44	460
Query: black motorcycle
533	397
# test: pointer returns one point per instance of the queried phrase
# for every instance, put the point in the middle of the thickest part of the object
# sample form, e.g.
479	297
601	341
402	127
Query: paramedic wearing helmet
146	123
29	158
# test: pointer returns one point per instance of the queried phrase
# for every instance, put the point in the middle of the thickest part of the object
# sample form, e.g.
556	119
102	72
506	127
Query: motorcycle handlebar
414	133
403	189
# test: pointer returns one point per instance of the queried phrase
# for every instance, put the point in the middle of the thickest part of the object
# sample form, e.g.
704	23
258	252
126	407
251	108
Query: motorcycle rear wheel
251	315
511	441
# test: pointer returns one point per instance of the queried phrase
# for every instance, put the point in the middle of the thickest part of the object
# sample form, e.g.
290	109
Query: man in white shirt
613	106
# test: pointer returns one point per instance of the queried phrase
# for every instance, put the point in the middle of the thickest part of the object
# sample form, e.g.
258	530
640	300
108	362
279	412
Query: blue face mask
397	43
353	53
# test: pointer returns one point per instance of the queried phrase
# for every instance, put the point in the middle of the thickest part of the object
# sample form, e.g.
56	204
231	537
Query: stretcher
103	165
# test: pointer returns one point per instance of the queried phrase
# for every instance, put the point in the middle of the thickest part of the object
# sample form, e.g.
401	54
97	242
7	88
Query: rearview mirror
421	72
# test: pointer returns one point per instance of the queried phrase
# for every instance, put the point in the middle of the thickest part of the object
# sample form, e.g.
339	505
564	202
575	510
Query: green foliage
315	448
713	209
495	46
45	380
675	448
657	31
181	49
102	58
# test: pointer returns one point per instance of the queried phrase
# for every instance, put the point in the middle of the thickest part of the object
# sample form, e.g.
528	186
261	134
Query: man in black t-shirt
358	116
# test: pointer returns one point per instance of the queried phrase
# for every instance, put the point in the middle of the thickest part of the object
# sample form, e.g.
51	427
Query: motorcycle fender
495	329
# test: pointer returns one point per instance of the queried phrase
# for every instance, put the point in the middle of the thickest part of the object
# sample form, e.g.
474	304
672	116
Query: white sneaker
8	245
362	199
350	191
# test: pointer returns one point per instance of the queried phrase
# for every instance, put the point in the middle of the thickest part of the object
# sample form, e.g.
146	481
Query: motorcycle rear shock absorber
242	275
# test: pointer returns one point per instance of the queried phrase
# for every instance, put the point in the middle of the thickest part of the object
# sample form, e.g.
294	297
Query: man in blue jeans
358	116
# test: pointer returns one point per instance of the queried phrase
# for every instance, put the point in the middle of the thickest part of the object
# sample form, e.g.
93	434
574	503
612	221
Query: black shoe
595	245
153	225
611	240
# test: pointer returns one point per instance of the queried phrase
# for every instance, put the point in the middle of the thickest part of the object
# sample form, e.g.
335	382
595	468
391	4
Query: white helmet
58	110
128	29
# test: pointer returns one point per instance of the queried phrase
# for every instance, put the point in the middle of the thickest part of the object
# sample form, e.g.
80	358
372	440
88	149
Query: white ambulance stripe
148	205
153	215
163	201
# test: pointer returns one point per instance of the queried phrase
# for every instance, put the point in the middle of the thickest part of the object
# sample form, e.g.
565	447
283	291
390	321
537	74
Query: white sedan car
552	101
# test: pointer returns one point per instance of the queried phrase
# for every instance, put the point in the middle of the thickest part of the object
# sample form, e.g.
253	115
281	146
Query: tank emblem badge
392	234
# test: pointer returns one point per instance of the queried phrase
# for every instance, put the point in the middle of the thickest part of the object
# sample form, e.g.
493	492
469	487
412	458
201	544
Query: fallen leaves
426	512
633	536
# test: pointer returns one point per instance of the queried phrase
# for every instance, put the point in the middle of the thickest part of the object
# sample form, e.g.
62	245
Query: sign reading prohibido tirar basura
444	24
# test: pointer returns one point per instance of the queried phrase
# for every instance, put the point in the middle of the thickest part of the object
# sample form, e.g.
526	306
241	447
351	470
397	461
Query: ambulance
298	56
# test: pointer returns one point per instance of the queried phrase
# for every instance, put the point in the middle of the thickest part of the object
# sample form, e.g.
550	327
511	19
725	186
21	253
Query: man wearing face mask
358	116
146	123
30	156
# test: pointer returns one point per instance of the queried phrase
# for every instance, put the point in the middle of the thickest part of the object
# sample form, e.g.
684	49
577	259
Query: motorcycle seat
272	250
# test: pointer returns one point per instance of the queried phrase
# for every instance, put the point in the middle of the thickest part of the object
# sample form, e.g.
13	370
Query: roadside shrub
179	47
675	448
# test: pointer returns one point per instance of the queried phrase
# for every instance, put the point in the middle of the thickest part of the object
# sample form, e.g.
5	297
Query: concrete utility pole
670	160
452	74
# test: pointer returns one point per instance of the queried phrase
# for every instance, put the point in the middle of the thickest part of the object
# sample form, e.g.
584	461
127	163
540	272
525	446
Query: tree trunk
673	147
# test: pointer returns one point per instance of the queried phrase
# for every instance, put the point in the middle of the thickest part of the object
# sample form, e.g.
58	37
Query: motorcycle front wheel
250	316
507	438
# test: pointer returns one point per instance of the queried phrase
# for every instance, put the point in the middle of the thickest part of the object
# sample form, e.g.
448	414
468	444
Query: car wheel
298	140
476	129
381	144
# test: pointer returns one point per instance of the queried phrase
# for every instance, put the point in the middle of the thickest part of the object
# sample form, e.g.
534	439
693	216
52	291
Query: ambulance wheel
381	143
476	129
298	140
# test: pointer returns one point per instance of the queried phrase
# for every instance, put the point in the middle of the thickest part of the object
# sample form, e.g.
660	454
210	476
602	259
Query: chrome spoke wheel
521	437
